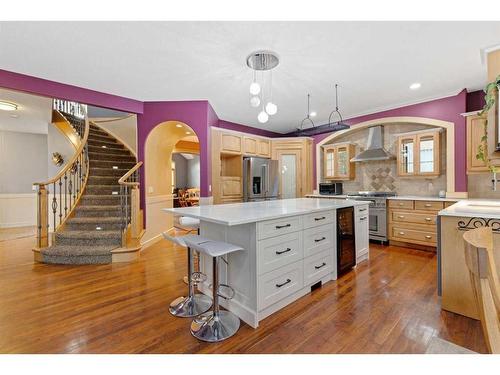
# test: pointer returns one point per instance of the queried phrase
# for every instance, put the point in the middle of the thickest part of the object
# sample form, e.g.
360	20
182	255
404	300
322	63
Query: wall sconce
57	159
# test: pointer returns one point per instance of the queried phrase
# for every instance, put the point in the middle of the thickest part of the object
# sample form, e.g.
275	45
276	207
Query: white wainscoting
157	221
17	210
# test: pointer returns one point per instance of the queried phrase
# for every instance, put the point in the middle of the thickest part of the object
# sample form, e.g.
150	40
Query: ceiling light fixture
260	94
415	86
188	132
307	119
7	106
179	125
340	123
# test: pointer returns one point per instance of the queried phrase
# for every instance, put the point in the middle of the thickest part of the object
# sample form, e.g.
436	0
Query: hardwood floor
387	305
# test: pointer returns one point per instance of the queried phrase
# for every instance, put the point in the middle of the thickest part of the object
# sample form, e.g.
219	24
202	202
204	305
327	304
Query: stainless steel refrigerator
260	179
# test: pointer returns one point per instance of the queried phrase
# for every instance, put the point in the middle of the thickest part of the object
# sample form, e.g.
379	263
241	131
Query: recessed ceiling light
179	125
313	114
415	86
188	132
7	106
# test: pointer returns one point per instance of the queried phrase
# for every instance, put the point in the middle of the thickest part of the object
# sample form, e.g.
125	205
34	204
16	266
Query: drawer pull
401	233
401	203
283	251
428	205
362	218
401	217
362	209
320	239
282	284
428	219
320	266
283	226
319	218
428	237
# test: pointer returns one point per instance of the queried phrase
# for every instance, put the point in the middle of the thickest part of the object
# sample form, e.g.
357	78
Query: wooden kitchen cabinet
263	148
231	143
250	146
475	133
337	161
419	154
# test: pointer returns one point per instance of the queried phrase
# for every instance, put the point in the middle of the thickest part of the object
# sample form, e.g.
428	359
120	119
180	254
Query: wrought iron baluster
39	217
65	193
54	203
60	200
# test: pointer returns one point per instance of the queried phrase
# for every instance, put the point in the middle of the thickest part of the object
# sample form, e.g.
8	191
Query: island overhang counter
290	245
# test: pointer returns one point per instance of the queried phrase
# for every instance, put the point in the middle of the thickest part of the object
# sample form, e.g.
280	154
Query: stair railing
57	197
131	224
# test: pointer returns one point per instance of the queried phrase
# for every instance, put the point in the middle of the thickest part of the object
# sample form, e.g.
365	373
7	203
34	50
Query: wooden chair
479	257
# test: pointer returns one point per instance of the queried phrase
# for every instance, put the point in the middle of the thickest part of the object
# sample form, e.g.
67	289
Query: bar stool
215	325
195	303
189	224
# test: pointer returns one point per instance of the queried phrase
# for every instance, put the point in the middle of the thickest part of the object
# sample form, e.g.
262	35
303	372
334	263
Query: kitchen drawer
361	211
412	217
404	234
273	228
279	251
429	205
280	283
318	218
319	239
318	266
396	203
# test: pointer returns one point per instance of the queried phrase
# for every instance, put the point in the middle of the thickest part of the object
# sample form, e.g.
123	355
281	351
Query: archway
162	142
449	127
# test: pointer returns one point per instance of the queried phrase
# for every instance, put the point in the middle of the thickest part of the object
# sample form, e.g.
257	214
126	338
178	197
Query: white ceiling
374	62
33	113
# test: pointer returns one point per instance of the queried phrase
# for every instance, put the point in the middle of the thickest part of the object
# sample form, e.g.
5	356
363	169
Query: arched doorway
163	142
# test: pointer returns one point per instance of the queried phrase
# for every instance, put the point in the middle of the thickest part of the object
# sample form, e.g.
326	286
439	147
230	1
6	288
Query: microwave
330	188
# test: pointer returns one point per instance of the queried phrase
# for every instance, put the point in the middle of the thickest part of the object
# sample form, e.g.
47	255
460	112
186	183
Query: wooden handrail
75	156
122	180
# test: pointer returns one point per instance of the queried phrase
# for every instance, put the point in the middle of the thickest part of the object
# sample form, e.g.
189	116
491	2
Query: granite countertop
488	209
424	198
251	212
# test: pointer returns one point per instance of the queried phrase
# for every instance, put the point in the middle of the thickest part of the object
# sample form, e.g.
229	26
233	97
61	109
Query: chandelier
261	93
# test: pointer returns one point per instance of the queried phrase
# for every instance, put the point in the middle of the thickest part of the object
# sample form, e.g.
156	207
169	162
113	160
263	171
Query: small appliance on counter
330	188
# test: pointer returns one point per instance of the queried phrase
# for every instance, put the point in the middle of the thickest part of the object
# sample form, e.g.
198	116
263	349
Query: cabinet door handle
283	251
401	233
401	217
362	209
283	226
428	237
362	218
286	282
320	266
319	218
428	219
320	239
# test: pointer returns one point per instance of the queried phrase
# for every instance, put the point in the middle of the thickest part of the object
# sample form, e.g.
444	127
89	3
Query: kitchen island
454	283
290	246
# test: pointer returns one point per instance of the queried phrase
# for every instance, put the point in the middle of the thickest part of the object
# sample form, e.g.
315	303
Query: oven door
378	224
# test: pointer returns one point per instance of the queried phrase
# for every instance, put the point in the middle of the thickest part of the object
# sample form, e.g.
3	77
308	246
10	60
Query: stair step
109	150
98	211
103	180
110	157
89	238
74	254
98	137
105	190
94	199
121	164
93	223
109	144
98	172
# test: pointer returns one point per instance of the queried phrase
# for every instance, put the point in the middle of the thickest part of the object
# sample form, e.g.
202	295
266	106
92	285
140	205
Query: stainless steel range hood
375	148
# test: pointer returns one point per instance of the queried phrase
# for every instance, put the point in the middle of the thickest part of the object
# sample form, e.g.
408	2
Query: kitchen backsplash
382	175
480	186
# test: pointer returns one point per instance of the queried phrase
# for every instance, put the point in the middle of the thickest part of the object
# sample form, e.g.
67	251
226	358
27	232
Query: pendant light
254	86
336	111
307	119
271	108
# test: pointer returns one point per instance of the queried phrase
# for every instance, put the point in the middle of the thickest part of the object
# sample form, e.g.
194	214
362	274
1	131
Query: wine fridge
346	243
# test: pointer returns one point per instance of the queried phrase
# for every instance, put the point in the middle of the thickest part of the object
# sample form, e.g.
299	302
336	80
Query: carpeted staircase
95	229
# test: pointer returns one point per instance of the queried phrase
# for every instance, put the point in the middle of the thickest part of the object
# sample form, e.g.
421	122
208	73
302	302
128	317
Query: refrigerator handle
264	178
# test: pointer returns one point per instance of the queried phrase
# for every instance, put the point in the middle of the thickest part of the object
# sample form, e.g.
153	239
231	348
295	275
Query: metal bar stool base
187	307
214	329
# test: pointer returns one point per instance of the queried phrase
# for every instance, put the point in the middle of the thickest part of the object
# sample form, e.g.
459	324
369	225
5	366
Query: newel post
43	217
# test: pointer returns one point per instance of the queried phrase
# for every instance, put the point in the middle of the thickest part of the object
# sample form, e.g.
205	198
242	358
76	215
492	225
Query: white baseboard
153	240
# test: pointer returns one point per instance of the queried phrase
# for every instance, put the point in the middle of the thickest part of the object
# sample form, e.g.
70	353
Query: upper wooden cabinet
250	146
264	147
231	143
475	133
419	154
253	146
337	161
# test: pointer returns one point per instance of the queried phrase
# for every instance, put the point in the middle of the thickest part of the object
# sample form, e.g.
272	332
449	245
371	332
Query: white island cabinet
290	245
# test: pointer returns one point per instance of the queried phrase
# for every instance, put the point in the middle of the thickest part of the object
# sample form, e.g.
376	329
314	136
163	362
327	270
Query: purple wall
44	87
246	129
475	100
446	109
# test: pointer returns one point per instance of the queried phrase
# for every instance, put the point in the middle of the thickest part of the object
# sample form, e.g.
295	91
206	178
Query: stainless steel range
377	212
